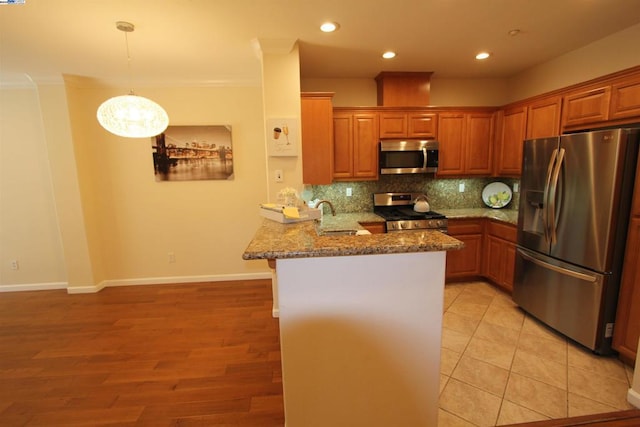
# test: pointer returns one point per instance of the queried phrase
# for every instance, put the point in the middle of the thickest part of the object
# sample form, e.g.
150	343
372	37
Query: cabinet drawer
503	231
458	227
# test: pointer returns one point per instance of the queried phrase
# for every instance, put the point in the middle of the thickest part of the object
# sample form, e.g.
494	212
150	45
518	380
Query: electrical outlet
349	191
15	265
171	257
279	175
516	187
461	187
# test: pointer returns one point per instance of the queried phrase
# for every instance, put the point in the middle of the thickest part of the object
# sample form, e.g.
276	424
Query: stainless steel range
397	209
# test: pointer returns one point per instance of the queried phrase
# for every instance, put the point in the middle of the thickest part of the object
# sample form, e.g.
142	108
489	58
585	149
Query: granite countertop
509	216
301	240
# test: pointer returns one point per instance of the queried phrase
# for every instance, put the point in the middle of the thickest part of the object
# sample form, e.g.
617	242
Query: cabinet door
393	125
494	259
342	145
509	266
625	99
451	132
466	262
422	125
513	133
585	107
374	227
365	146
627	329
316	114
478	144
543	118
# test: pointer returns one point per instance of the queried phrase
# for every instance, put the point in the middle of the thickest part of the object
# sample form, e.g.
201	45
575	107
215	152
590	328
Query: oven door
408	157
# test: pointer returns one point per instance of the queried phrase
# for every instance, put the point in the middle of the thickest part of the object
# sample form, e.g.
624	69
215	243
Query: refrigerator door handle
553	226
567	272
545	196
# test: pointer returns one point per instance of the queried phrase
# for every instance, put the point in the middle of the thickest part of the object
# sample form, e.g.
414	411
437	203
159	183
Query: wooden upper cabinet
402	124
510	142
316	113
355	146
422	125
365	146
342	145
393	125
479	137
586	106
543	118
465	143
451	131
625	99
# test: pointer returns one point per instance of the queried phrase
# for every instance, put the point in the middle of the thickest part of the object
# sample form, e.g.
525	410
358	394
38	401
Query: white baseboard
33	287
87	289
633	397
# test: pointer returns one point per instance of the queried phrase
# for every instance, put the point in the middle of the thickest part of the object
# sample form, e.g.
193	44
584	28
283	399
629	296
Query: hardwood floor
204	354
187	354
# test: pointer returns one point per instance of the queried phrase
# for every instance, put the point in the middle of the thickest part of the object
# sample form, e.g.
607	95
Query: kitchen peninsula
360	323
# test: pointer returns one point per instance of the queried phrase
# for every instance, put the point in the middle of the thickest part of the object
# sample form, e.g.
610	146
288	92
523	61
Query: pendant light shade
132	116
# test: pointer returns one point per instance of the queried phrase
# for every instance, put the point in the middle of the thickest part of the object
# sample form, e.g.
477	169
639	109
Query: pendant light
132	116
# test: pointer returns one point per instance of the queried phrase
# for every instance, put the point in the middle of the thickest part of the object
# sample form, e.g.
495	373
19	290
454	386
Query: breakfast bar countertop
274	240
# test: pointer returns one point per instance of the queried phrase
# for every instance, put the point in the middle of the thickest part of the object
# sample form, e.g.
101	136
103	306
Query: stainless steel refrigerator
574	210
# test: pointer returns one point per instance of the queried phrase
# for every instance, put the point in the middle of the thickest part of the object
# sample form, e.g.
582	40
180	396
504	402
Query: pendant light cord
126	40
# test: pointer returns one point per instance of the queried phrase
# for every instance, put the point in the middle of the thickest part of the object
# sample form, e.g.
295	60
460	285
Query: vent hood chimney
403	89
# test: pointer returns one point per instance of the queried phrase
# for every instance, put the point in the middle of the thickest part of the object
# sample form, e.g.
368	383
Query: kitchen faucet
333	211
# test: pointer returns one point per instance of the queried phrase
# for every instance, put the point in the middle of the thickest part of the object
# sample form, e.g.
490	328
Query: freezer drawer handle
557	269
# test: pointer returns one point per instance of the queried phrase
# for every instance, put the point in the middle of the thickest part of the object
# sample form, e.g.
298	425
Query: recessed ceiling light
329	27
483	55
389	54
514	32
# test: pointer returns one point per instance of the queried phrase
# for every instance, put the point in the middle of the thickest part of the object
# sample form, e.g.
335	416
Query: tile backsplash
442	193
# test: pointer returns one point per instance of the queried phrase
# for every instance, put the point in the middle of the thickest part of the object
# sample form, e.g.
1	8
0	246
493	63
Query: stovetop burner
397	210
392	213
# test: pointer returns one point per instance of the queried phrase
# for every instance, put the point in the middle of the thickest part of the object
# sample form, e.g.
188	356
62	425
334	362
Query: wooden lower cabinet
627	328
374	227
500	254
467	262
490	251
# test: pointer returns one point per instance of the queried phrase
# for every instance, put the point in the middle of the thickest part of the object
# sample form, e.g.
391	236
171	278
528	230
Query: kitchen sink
336	232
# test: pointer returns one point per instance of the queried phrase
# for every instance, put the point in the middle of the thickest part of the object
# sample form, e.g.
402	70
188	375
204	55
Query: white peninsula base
360	339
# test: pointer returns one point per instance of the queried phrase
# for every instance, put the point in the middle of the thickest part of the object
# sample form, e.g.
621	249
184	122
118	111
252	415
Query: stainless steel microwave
408	156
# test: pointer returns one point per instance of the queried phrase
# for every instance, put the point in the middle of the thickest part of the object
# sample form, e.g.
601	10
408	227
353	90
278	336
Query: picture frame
190	153
282	137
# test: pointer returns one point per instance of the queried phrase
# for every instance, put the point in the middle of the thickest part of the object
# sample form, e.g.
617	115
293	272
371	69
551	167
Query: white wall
29	230
131	221
608	55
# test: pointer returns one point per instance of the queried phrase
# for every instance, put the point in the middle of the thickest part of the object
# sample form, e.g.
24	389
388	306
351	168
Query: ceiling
196	42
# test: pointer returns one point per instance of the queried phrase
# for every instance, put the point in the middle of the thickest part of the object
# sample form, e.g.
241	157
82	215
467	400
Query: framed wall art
188	153
282	137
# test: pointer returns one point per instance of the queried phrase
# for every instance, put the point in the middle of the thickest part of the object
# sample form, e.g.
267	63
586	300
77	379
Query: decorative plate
496	195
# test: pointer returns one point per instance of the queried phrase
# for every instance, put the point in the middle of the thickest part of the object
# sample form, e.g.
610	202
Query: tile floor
500	366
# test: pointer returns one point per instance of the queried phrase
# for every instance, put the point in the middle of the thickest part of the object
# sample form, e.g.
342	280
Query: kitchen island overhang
360	324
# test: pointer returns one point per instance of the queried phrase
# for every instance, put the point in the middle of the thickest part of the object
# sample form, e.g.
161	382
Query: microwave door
405	161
